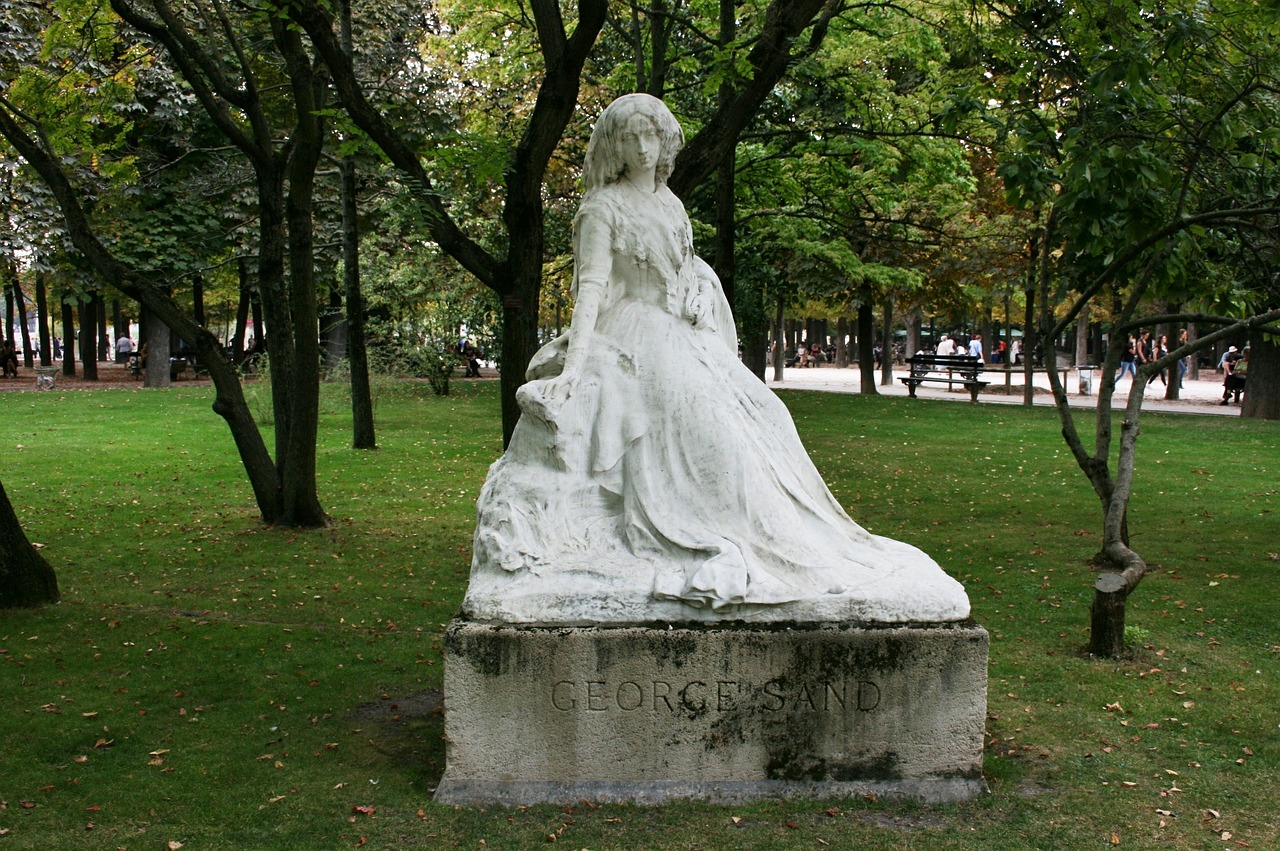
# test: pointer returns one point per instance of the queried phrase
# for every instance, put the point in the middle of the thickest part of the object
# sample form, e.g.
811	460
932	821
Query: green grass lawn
211	682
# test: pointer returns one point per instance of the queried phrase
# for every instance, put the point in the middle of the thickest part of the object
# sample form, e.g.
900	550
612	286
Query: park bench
945	369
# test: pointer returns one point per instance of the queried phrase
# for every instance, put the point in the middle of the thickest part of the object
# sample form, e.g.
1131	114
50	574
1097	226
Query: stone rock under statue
652	476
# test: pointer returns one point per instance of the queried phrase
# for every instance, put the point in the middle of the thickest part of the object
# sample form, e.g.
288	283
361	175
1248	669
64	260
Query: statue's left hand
696	310
545	397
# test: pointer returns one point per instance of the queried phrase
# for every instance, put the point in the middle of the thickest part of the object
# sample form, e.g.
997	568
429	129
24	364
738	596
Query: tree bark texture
779	337
156	369
886	345
26	579
1106	623
88	339
42	319
866	341
363	435
1262	387
301	502
68	339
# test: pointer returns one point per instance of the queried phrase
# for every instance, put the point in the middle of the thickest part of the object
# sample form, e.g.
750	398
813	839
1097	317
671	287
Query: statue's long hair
603	164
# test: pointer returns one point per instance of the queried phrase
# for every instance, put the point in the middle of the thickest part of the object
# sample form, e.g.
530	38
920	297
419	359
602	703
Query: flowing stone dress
664	480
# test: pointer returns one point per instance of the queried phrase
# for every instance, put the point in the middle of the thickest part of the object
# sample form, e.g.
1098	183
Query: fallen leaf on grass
173	845
103	743
364	810
80	760
1115	838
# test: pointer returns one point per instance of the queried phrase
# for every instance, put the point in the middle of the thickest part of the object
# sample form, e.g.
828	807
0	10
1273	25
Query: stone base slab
721	713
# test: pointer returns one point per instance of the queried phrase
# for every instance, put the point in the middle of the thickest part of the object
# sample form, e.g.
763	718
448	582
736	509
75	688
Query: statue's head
604	163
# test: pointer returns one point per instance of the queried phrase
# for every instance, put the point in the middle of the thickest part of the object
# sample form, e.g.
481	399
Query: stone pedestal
720	713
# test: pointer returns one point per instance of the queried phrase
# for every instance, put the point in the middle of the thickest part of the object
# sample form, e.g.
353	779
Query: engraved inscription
697	696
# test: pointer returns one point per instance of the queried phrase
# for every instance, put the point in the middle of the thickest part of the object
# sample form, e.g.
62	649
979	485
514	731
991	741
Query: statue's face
639	146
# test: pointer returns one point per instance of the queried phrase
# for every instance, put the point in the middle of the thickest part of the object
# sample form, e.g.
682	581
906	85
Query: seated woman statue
652	476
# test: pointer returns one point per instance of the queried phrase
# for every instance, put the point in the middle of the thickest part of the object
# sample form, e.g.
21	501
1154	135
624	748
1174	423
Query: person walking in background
975	347
1158	350
1233	379
124	348
1142	349
1127	360
1183	362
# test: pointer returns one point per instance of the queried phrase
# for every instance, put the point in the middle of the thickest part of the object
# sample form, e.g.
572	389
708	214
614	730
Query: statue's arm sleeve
593	263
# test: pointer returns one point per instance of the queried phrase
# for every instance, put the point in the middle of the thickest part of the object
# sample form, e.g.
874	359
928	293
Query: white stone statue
652	476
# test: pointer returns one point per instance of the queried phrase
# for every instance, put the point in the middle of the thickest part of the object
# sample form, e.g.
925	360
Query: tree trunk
886	345
912	343
42	319
156	362
866	341
301	501
242	311
519	341
362	425
20	313
779	337
119	322
1106	633
1029	337
68	339
1082	336
1262	387
26	579
100	326
726	208
842	343
87	339
333	333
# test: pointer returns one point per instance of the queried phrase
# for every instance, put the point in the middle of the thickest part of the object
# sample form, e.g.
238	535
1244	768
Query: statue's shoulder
607	203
